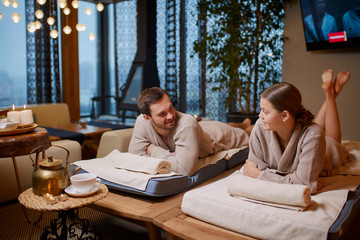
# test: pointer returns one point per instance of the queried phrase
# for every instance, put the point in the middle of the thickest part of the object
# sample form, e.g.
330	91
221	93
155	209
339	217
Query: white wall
304	69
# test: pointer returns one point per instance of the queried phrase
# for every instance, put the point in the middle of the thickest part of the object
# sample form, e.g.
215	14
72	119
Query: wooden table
92	135
23	144
152	213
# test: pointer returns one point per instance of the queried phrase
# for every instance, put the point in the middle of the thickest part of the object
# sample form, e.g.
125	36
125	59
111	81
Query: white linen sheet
105	168
213	204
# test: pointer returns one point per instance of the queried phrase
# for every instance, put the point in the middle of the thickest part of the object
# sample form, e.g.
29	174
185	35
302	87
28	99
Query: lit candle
49	198
13	116
26	117
62	197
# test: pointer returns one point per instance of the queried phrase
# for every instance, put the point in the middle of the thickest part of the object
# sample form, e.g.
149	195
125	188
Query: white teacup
85	182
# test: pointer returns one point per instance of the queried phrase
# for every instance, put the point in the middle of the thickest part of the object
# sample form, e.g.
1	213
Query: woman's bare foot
327	75
341	78
328	85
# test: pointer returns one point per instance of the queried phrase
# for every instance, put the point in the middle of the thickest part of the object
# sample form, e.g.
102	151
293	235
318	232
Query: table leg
17	175
59	229
153	231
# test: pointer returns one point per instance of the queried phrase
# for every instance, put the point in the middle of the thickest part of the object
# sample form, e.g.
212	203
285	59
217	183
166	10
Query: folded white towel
290	196
136	163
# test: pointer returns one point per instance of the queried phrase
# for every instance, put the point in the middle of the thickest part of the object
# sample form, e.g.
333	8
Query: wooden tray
19	130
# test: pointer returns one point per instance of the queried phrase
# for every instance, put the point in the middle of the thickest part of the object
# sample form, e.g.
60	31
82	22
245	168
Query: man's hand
150	149
250	169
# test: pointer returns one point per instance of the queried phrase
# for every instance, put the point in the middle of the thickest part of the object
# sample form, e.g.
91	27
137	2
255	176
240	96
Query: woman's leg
327	116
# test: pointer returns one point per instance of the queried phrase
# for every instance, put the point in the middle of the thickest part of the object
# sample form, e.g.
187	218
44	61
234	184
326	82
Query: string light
91	36
38	24
100	7
67	11
62	4
54	33
6	3
15	17
1	16
14	4
39	14
88	11
41	2
75	4
31	27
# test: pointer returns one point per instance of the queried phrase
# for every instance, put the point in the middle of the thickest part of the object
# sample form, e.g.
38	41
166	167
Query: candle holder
62	197
49	198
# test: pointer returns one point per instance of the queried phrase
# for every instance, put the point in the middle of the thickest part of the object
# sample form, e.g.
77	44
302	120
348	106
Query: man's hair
148	97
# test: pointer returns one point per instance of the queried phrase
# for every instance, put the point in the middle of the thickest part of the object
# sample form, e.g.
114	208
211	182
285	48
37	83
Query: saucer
72	192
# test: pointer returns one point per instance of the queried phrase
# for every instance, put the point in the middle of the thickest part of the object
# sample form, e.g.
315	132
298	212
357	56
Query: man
162	132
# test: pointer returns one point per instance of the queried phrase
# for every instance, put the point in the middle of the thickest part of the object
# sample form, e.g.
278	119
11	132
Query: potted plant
242	46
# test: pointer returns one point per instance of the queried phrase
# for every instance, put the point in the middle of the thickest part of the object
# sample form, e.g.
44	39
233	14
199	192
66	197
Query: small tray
19	130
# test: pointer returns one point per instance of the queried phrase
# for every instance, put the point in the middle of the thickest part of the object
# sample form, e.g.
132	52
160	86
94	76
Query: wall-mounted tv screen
330	24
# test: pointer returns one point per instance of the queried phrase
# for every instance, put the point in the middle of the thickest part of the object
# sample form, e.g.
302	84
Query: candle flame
24	106
13	107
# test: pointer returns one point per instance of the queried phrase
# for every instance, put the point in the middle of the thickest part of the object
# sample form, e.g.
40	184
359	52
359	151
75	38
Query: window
13	57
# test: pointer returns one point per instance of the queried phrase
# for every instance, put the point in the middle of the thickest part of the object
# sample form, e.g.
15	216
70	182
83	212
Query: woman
286	145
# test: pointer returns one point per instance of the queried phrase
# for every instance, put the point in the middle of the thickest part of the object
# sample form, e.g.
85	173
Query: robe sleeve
256	142
185	159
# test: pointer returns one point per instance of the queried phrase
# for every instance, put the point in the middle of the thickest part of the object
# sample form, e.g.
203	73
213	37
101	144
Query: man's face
162	114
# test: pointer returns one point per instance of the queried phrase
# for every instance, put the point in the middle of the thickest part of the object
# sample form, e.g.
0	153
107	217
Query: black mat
63	134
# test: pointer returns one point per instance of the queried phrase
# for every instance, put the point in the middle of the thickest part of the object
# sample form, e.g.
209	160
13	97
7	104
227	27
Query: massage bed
160	195
209	212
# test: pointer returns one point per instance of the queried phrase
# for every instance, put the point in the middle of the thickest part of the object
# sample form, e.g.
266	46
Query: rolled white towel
290	196
136	163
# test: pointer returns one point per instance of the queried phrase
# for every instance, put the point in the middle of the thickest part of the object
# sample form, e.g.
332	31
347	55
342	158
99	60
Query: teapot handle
34	162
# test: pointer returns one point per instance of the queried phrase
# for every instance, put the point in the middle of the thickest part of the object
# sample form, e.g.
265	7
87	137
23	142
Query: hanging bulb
50	20
6	3
100	7
67	29
88	11
38	24
80	27
75	4
66	11
91	37
31	27
54	33
39	14
1	16
14	4
41	2
62	3
15	17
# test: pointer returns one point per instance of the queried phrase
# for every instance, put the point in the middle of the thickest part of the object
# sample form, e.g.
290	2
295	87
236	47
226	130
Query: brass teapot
50	176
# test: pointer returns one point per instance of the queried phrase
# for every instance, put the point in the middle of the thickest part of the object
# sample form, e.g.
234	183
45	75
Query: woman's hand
250	169
320	184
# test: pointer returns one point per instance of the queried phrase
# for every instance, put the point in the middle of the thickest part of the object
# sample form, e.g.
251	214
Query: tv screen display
330	24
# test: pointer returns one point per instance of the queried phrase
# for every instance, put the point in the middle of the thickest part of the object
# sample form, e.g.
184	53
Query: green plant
242	47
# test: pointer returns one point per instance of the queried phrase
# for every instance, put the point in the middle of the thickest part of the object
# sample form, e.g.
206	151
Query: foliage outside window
242	47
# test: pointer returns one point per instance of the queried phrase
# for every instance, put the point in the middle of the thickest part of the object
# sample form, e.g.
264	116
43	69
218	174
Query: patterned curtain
43	78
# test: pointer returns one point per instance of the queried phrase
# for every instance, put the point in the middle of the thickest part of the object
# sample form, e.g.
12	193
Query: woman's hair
285	96
148	97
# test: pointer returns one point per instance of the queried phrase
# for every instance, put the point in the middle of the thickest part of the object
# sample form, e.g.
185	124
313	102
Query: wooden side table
23	144
67	210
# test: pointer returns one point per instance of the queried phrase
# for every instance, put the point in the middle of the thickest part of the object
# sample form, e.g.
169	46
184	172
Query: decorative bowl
3	112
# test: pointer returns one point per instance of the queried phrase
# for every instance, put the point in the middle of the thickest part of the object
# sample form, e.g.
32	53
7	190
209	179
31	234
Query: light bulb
50	20
38	24
75	4
54	33
41	2
1	16
91	37
39	14
66	11
6	3
67	29
80	27
62	3
14	4
100	7
88	11
15	17
31	27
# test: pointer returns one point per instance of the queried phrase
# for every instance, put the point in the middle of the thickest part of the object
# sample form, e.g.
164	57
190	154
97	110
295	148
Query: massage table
177	224
161	194
144	210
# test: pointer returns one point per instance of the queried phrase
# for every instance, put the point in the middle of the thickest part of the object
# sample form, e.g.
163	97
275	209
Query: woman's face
272	119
